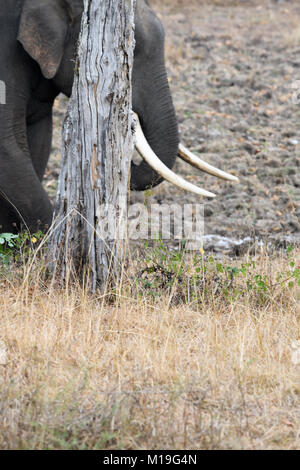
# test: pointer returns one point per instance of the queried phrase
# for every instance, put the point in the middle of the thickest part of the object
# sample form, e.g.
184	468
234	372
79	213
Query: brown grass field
202	362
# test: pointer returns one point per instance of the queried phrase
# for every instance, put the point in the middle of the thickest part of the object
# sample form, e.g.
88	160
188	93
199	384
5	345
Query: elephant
38	46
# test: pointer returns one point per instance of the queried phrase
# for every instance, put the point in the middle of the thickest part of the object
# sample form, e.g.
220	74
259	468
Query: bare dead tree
90	216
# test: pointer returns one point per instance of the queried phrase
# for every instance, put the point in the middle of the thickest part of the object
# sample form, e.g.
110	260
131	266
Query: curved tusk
147	153
195	161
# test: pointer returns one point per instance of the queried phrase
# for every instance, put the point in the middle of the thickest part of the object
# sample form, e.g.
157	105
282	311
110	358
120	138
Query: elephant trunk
154	106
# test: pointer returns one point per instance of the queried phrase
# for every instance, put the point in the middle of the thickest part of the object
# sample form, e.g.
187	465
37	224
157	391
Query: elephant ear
42	32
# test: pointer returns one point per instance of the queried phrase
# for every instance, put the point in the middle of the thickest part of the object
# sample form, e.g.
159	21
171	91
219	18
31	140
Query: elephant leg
39	135
8	218
21	190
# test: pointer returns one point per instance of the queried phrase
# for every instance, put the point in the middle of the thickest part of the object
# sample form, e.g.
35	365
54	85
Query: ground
232	66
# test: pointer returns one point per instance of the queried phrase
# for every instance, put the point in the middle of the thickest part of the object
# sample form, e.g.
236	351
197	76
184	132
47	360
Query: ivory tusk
195	161
147	153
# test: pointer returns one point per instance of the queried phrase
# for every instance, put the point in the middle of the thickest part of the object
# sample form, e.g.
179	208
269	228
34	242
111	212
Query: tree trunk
90	216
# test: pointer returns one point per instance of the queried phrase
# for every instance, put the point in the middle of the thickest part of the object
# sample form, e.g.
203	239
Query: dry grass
149	372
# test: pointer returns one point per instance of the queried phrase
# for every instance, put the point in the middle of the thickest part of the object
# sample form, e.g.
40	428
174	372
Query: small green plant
198	276
8	244
13	247
292	275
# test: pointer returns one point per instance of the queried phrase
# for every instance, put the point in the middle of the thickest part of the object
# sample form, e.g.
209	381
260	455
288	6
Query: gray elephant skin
38	45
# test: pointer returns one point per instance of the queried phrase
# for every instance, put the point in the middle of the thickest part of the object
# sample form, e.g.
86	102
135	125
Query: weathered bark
90	218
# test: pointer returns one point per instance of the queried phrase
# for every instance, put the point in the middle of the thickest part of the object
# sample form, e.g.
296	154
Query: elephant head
42	60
